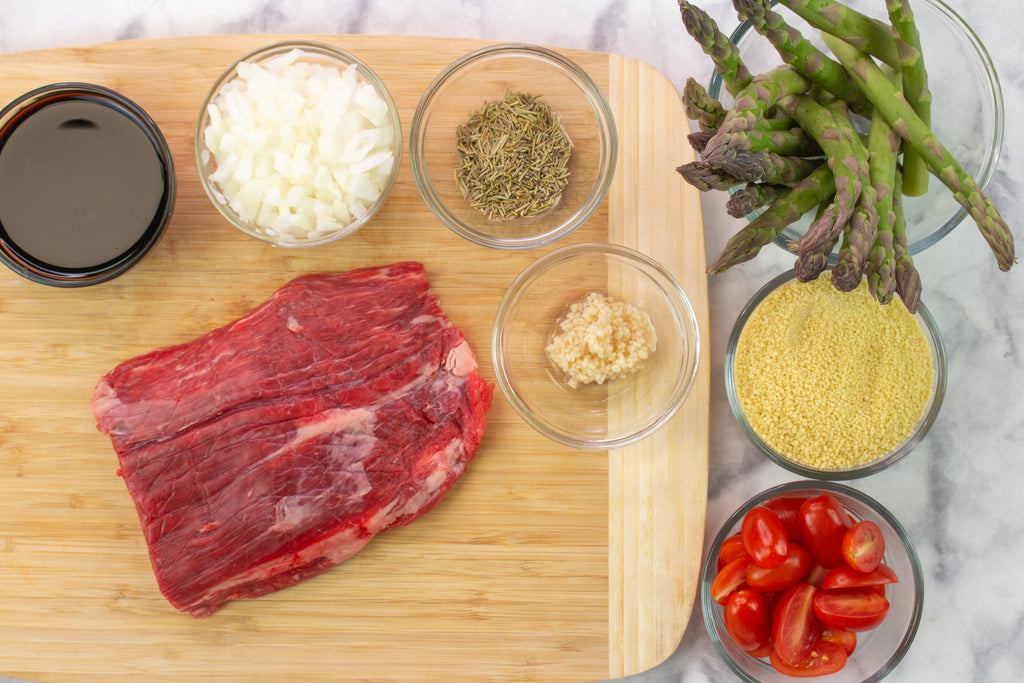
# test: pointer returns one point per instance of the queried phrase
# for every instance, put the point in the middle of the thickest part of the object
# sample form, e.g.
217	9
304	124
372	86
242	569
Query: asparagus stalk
763	93
764	167
846	158
753	196
915	88
734	73
701	107
798	52
908	280
699	140
745	244
886	98
883	147
865	33
705	178
813	262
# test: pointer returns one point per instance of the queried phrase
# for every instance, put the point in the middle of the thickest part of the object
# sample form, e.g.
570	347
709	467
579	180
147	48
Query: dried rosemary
513	157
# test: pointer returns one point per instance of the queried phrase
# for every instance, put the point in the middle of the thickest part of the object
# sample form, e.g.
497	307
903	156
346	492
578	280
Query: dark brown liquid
80	183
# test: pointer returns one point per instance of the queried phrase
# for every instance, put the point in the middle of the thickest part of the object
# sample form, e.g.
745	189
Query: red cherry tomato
844	639
731	549
787	509
732	576
747	619
762	651
795	627
823	523
768	579
764	537
816	574
863	546
844	577
850	609
825	658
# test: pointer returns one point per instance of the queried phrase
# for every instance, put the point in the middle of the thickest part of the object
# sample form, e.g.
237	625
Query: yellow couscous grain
831	379
602	339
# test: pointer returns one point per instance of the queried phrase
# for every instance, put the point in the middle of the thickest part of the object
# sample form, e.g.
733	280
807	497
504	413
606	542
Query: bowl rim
322	49
998	119
680	302
931	331
708	568
587	87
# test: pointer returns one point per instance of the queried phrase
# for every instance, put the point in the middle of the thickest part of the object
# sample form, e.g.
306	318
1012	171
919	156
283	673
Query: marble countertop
956	493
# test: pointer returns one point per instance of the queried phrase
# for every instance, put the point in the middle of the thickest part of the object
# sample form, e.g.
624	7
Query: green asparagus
866	33
908	280
798	52
753	196
883	147
764	167
705	178
716	45
701	107
901	117
745	244
915	88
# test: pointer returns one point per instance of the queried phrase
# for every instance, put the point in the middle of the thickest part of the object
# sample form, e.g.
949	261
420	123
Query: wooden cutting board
542	563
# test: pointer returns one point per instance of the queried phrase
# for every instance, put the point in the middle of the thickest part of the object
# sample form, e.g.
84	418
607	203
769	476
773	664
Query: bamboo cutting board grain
542	563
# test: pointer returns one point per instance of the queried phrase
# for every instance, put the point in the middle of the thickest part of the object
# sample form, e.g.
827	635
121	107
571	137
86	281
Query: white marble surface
958	494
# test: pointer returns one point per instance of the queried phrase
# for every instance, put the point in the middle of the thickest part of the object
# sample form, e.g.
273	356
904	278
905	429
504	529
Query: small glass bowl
314	53
879	650
619	411
967	106
486	75
931	333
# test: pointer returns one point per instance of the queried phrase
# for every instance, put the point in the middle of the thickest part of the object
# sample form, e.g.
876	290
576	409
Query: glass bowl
879	650
327	146
931	411
967	107
486	75
616	412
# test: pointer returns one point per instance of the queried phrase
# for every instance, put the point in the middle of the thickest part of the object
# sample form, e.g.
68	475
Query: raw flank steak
271	449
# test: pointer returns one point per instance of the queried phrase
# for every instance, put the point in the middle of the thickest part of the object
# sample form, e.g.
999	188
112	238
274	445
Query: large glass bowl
879	650
967	107
486	75
931	333
619	411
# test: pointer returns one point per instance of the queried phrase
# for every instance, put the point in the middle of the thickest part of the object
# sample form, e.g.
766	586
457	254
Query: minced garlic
602	339
830	379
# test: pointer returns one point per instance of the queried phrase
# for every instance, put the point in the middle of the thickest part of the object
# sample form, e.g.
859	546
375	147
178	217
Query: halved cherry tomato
823	523
850	609
816	574
767	579
787	509
845	577
731	549
732	576
863	546
747	619
764	537
844	639
825	658
795	627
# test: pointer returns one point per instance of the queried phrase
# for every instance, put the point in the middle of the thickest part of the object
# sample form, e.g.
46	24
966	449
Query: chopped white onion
301	149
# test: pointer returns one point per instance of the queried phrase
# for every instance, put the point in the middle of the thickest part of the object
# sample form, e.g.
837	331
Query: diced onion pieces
298	148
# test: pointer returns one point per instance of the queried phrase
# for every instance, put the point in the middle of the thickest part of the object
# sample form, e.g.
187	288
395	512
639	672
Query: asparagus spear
883	146
764	167
886	98
915	88
865	33
813	262
846	158
699	140
857	241
734	73
764	92
908	280
705	178
753	196
745	244
701	107
798	52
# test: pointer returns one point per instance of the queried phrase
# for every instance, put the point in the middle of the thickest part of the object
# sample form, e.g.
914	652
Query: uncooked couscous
602	339
830	379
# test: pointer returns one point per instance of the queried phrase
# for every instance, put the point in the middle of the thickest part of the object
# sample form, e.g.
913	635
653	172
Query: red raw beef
266	451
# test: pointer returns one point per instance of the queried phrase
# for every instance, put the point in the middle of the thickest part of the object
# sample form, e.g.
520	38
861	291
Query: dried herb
513	157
